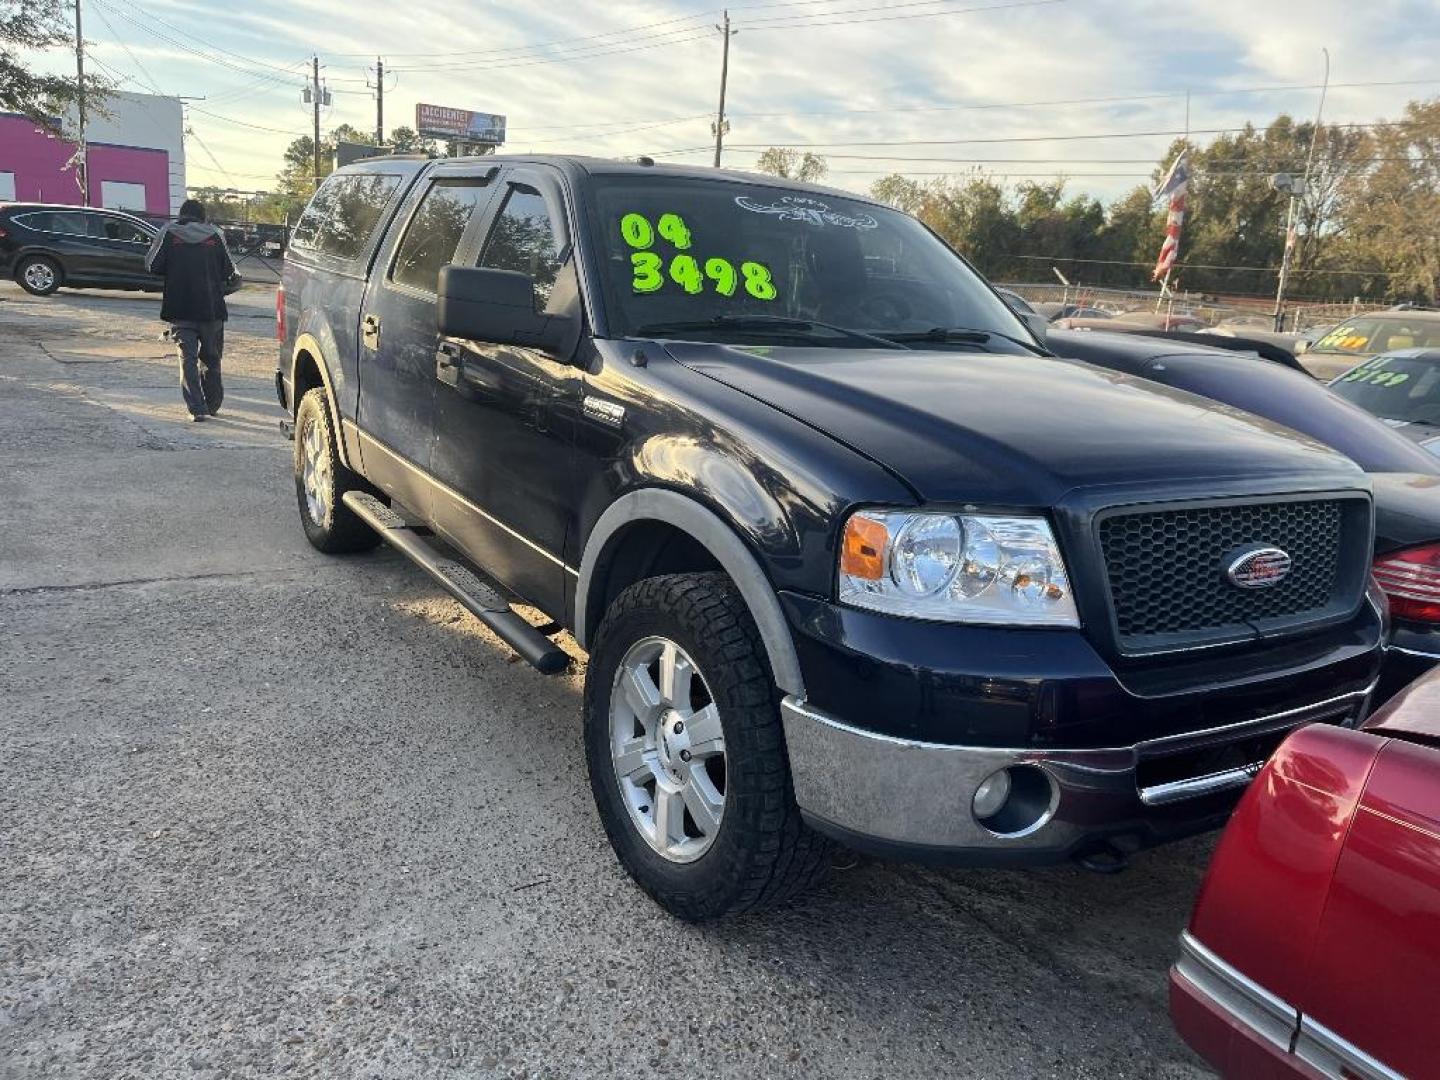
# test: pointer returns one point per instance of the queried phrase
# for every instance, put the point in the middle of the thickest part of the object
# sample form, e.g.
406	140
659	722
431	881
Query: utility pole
82	171
721	125
379	101
315	102
1291	219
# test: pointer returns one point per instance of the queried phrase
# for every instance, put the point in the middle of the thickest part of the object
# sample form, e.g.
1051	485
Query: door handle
370	330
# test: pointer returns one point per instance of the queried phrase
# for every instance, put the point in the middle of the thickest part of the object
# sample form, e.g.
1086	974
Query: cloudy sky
1019	88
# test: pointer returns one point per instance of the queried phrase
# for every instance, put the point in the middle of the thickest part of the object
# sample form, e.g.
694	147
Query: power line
209	58
979	106
1011	138
133	58
812	21
211	45
684	35
696	34
244	123
476	55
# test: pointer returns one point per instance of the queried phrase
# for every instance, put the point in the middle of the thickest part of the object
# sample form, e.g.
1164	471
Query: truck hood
1016	430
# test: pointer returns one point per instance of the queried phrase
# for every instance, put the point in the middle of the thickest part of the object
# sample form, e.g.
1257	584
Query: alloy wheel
315	475
40	276
668	749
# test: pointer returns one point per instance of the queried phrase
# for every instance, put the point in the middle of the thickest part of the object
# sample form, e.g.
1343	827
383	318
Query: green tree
1389	216
34	26
791	164
404	140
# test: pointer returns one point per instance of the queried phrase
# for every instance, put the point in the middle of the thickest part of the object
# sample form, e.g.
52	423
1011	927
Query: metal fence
1211	309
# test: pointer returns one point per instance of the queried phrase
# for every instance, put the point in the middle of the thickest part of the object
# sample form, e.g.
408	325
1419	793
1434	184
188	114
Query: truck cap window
684	250
434	233
342	216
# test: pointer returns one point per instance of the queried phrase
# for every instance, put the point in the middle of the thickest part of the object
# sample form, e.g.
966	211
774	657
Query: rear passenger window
525	238
40	222
342	216
67	224
434	232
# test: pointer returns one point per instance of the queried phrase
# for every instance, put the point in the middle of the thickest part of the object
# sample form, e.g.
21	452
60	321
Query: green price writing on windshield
1376	375
651	271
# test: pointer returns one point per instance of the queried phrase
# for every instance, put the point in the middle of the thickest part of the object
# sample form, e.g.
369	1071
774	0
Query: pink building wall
38	160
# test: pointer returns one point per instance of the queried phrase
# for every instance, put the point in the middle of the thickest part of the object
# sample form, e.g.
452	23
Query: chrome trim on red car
1333	1056
1246	1000
1274	1019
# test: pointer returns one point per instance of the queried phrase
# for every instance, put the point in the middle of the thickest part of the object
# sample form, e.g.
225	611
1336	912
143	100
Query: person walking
192	256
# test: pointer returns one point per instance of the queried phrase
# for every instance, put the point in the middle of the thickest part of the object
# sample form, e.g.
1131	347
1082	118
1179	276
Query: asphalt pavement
266	812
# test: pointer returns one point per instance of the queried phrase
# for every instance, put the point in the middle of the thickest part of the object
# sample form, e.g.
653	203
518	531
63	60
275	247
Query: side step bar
460	582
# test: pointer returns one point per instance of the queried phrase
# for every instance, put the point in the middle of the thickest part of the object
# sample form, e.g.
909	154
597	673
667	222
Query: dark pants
200	345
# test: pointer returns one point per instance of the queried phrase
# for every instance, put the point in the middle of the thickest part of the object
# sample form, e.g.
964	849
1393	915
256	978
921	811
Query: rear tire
703	859
321	481
39	275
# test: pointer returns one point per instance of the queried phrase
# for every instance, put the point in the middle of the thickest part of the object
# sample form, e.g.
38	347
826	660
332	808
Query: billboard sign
459	125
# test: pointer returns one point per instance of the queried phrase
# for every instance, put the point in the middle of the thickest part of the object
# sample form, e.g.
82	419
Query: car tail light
1411	579
280	313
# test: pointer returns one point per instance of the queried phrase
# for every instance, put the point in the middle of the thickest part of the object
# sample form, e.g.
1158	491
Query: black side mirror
478	303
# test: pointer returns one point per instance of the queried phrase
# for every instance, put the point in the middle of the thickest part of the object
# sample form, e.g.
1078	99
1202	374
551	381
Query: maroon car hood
1412	713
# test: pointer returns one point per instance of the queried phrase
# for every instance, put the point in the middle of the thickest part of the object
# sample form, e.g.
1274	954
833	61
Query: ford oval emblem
1259	568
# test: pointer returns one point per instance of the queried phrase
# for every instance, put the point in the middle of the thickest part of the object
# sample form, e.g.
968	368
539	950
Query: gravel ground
264	812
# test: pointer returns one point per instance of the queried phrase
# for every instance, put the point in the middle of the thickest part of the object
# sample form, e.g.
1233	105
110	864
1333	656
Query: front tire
39	275
686	752
321	481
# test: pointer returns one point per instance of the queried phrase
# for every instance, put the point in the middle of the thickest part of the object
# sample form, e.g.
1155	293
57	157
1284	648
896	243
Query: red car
1314	949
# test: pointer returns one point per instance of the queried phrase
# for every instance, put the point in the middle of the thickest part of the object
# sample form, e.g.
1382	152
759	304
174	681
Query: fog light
990	796
1015	801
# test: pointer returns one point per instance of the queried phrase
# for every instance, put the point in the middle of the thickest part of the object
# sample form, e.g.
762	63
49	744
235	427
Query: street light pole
1293	214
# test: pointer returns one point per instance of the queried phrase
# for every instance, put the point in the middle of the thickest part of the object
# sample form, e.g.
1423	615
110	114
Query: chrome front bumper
914	799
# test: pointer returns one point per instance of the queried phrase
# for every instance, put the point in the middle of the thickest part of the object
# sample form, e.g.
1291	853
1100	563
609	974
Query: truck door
398	333
504	413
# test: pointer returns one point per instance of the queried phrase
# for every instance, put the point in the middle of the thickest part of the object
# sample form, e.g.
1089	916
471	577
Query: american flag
1175	184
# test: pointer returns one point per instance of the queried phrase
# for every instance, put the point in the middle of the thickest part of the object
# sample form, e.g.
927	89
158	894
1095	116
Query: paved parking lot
265	812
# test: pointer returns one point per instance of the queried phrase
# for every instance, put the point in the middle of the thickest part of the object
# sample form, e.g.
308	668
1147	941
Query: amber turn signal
862	552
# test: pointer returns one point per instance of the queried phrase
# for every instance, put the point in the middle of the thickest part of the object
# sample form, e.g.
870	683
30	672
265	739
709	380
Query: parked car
1054	310
1401	388
1148	320
1254	332
1405	479
1341	348
852	557
1314	943
1407	567
44	247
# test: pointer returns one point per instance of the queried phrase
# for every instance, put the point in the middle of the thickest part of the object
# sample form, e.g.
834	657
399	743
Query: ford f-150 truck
853	558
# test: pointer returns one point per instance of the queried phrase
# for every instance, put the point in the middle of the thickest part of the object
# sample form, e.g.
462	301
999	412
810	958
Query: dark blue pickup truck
852	556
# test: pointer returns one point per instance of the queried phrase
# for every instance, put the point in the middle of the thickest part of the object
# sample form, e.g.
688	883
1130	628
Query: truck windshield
684	257
1401	387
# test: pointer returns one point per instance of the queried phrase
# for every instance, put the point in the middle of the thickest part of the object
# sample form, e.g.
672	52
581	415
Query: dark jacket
193	259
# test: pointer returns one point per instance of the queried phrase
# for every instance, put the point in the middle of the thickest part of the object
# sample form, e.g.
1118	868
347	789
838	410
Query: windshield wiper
962	335
779	323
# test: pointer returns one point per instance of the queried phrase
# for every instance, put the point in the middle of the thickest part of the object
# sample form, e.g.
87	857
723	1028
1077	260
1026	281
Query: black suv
852	556
44	247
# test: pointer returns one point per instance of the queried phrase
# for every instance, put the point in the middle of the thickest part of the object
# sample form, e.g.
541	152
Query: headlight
956	568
